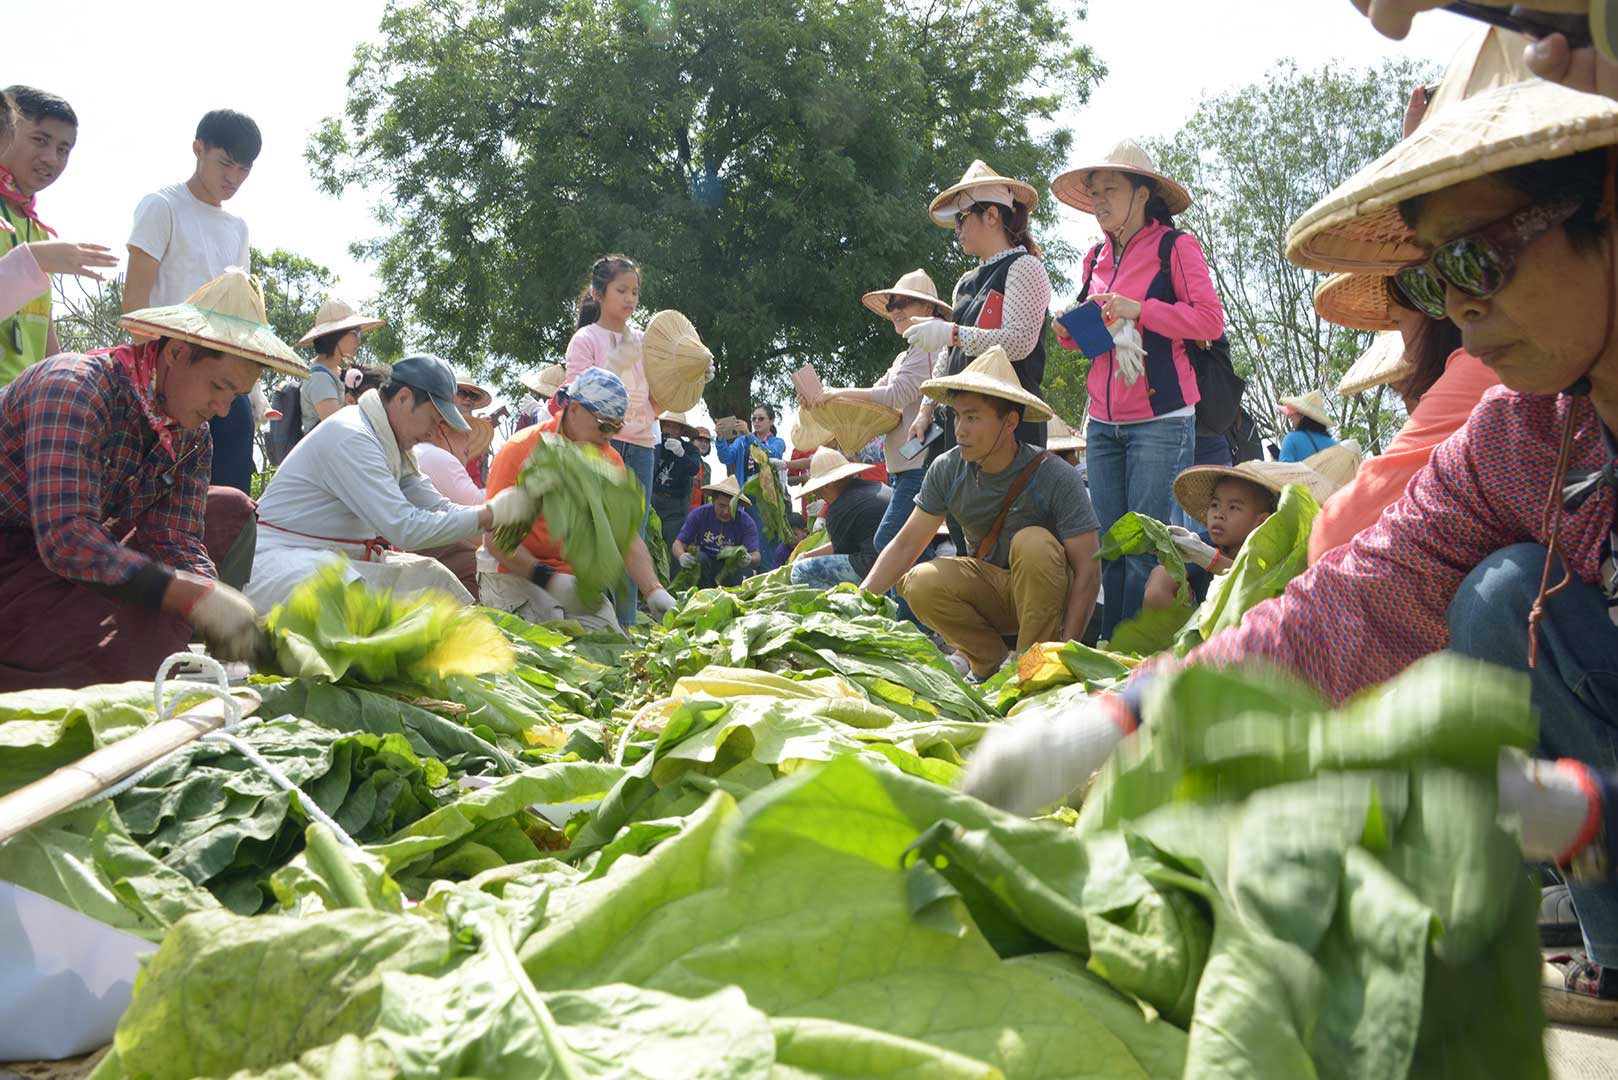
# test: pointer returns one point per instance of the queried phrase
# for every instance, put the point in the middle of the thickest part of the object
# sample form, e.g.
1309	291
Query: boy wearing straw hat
1027	521
855	510
109	532
710	529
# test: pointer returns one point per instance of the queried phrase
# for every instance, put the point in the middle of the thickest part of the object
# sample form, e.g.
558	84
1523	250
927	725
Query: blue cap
600	391
436	378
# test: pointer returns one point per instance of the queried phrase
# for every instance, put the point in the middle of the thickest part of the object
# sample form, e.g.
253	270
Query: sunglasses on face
1480	263
605	425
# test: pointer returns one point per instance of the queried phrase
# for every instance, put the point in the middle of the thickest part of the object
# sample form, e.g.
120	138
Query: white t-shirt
192	242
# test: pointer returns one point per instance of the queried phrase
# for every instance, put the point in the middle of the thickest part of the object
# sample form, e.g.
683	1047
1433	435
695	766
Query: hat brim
842	472
353	322
481	439
1358	226
675	360
218	331
878	301
1034	411
1194	488
451	413
1385	362
1073	187
1358	301
1024	193
1307	408
713	490
481	398
1065	443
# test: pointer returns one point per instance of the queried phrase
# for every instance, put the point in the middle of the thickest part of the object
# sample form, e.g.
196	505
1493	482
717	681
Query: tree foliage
766	161
1254	160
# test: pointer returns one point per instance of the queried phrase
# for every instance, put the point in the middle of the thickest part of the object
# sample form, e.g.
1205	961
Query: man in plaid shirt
106	517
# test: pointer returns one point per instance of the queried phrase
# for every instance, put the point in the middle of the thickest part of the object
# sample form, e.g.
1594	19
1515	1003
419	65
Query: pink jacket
596	346
1195	315
21	280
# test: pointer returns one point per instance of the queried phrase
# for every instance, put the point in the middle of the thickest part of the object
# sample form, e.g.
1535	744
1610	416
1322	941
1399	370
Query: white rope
219	690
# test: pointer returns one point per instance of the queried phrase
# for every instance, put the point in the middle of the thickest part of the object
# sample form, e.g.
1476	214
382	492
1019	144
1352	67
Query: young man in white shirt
183	237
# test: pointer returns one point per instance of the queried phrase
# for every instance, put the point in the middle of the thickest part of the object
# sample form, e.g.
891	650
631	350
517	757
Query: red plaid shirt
80	465
1374	606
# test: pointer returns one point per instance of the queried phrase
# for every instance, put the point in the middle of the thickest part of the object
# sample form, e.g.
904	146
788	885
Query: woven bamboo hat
828	467
807	434
677	418
729	486
469	395
992	376
851	423
676	361
1383	363
481	438
546	381
916	285
1194	488
336	314
1358	301
1073	186
1490	113
1312	405
1061	438
1338	464
226	314
980	184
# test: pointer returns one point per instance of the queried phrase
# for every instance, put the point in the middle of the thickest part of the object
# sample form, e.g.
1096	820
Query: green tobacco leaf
42	730
1137	534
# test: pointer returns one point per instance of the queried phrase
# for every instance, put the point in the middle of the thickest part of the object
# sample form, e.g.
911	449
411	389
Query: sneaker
1573	992
1558	924
960	664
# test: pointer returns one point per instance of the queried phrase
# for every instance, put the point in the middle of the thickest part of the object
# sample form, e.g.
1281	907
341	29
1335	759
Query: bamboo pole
94	773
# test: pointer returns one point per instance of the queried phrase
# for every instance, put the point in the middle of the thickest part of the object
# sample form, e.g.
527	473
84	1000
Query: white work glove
1191	547
660	603
814	510
689	559
564	589
227	622
513	506
674	447
931	335
1129	355
1029	765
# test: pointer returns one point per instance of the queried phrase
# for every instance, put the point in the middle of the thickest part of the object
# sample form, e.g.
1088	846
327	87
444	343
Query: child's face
621	297
1236	509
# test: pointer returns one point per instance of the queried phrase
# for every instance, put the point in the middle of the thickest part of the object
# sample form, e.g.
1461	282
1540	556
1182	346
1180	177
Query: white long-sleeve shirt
900	388
336	484
448	474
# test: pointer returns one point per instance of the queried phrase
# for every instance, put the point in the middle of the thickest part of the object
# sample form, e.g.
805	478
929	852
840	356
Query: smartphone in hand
915	446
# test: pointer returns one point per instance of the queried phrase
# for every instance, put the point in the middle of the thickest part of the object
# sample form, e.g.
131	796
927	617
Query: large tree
766	161
1254	160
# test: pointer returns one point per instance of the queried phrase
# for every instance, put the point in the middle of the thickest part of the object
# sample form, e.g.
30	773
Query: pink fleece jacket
1195	315
21	280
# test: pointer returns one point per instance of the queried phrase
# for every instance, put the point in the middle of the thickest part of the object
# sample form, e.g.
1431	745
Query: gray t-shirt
1055	499
321	385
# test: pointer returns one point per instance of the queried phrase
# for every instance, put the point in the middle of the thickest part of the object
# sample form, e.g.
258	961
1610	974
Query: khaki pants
973	604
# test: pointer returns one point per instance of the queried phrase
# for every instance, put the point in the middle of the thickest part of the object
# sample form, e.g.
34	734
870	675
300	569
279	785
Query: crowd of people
1483	248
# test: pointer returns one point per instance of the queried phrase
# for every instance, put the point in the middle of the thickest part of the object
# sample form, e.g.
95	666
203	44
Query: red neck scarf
12	194
140	363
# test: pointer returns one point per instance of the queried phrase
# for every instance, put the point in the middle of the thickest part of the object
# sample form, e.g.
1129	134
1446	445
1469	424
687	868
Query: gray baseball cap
434	376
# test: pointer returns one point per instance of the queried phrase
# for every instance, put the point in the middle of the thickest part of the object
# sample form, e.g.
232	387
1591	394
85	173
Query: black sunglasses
1480	263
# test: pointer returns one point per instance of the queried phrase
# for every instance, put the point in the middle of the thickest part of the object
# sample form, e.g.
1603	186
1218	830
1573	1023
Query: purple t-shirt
704	532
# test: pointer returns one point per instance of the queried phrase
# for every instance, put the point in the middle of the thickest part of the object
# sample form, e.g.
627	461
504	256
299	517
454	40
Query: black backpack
285	432
1220	387
1245	439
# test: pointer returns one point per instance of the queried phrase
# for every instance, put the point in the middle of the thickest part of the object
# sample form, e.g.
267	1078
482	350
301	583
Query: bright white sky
140	83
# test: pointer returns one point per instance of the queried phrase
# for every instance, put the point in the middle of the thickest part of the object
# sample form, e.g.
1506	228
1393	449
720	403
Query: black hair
796	520
1014	220
1001	406
1310	424
8	122
1580	176
602	274
326	344
1267	499
1156	209
393	389
198	352
35	104
1429	353
769	410
233	132
371	378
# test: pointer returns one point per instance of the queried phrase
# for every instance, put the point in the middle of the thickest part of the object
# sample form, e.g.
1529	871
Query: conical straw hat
828	467
336	314
1061	438
1383	363
729	486
992	376
916	285
851	423
1193	489
807	434
1312	405
1339	464
676	361
476	397
984	185
1358	301
226	314
1073	186
546	381
1490	114
481	438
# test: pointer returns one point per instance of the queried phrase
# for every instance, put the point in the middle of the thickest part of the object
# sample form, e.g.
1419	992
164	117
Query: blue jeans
906	486
1574	683
641	461
825	572
1211	450
1132	467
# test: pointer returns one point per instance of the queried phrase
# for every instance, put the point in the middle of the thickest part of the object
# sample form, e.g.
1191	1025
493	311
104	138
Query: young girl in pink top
607	339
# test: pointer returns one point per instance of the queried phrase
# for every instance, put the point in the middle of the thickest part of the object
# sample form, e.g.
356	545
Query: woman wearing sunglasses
1499	214
913	297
